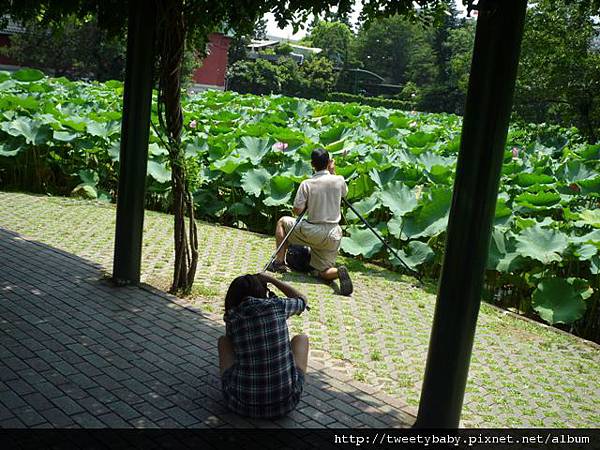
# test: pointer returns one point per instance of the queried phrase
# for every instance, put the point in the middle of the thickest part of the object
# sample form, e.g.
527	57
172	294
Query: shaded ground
522	373
77	352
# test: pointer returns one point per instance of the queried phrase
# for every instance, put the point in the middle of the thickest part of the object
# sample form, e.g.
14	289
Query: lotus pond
247	155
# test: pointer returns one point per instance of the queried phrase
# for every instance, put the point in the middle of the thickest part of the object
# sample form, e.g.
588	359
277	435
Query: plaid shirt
264	381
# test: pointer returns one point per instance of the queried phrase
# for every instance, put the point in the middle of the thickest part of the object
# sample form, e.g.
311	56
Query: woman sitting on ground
262	371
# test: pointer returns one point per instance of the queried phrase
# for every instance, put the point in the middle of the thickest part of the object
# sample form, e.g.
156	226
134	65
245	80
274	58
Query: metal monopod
416	274
298	220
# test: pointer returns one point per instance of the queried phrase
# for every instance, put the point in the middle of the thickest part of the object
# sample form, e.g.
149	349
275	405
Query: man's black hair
242	287
319	158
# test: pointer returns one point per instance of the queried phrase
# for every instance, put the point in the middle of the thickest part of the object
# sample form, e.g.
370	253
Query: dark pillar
485	126
137	102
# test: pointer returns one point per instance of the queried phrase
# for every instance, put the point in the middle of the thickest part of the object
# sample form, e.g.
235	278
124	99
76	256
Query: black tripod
414	272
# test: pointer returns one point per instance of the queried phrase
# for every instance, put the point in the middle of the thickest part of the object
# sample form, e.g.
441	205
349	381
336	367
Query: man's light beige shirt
323	194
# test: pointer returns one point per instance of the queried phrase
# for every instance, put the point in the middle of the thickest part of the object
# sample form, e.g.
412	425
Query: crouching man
321	196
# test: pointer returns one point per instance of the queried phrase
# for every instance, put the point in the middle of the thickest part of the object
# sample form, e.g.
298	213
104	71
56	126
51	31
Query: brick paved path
77	352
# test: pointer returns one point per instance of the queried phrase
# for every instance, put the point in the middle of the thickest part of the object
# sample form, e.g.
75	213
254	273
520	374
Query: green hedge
370	101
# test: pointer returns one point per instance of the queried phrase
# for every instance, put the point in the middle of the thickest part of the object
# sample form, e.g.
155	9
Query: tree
397	49
180	22
559	73
75	48
334	38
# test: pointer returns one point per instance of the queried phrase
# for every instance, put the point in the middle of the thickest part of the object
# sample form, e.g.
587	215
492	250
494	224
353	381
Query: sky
288	32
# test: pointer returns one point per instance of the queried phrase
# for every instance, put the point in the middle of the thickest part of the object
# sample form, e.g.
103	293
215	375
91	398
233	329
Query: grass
521	373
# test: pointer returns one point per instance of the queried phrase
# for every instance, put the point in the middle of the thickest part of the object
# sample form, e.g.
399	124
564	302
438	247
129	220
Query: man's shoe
277	267
346	287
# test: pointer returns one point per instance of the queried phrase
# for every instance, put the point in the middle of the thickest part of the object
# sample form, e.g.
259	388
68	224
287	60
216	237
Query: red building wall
214	66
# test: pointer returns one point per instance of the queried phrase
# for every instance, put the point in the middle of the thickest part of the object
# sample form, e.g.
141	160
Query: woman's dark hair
242	287
319	158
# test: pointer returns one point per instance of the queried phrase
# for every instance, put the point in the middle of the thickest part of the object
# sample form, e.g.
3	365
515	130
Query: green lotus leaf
586	252
440	175
430	159
383	177
76	123
364	207
254	149
589	152
559	300
88	176
531	179
114	151
541	199
155	149
589	218
416	254
32	130
399	120
296	170
336	133
420	139
595	265
361	242
9	150
228	165
360	187
159	172
398	198
65	136
590	186
576	171
255	180
28	75
380	123
85	191
592	237
542	244
395	227
502	210
280	191
431	217
103	130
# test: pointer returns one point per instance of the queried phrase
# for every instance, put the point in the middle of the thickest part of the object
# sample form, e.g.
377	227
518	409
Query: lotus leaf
255	180
280	191
159	172
416	254
398	198
431	217
542	244
559	300
589	218
361	242
28	75
364	207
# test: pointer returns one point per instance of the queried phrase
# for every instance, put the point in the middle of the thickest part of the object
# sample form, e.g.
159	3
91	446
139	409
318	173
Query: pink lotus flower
282	146
515	153
193	124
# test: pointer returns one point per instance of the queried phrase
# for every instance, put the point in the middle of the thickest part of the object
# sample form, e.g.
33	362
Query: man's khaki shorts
323	239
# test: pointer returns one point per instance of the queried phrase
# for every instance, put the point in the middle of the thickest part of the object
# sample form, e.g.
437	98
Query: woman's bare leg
226	354
300	351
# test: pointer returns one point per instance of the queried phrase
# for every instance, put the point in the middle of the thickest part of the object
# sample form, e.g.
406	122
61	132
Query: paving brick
112	420
67	405
123	410
86	420
37	401
179	415
57	418
28	416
